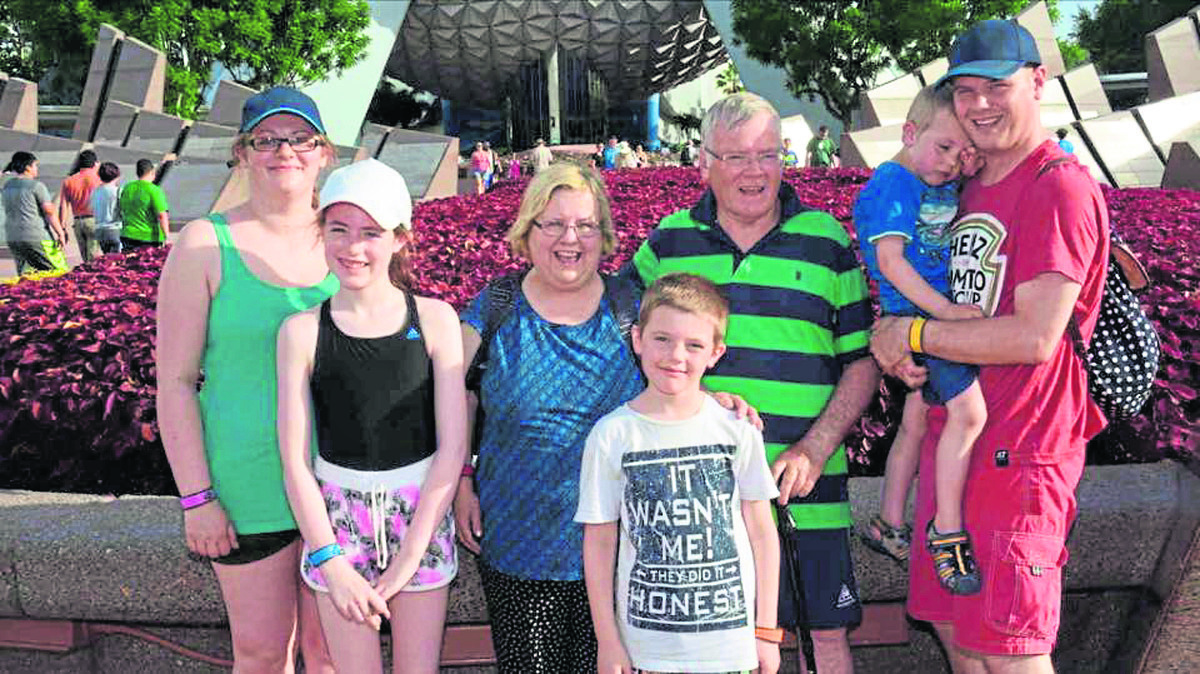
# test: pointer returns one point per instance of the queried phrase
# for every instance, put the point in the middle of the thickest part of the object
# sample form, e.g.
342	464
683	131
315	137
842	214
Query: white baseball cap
374	187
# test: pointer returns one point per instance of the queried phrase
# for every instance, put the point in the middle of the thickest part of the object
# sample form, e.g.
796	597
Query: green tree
729	81
836	49
1114	34
1072	54
261	42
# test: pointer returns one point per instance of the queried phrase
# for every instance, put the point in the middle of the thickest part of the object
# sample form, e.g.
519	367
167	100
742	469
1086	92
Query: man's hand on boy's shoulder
739	406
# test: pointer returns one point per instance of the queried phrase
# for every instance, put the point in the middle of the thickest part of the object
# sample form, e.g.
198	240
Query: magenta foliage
77	374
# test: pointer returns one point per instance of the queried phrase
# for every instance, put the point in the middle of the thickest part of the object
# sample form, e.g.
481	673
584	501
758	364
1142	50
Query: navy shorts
946	378
816	580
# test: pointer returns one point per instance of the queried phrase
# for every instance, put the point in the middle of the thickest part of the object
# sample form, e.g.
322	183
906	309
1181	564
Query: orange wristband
916	335
772	635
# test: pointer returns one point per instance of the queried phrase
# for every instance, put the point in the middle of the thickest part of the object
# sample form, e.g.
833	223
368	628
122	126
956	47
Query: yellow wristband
916	332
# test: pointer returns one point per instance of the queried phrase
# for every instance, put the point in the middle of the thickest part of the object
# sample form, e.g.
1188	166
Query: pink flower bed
77	371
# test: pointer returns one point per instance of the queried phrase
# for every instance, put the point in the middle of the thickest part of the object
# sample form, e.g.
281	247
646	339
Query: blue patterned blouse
545	386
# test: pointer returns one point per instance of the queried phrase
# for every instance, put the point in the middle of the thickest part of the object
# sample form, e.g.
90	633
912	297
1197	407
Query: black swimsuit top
373	397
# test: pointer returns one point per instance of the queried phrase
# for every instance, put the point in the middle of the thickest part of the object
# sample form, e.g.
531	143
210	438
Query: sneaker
886	539
953	560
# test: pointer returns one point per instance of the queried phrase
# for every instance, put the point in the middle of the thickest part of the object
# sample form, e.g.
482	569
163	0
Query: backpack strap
1072	327
623	297
501	296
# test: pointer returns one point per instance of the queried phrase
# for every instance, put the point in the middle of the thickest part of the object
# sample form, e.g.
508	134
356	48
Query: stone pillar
553	96
343	100
652	143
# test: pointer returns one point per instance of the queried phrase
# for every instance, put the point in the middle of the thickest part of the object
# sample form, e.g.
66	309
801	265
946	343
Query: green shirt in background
141	202
822	150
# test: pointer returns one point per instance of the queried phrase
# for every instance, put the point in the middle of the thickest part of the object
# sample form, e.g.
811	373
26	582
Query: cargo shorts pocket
1024	592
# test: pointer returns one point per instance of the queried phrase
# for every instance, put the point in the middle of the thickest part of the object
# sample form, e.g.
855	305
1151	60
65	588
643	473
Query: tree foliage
729	81
261	42
836	49
1072	54
1114	34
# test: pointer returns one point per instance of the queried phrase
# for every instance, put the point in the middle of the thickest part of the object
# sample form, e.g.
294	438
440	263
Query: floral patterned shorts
370	512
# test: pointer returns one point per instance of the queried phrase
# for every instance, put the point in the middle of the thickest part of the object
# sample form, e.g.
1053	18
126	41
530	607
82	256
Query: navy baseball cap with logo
276	100
994	49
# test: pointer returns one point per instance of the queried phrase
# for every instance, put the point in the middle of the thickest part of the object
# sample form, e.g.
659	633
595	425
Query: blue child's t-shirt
896	202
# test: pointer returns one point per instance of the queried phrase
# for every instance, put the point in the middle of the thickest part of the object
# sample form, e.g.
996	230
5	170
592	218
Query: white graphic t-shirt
685	570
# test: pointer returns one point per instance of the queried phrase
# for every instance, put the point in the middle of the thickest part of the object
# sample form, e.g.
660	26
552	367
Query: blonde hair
688	293
561	176
928	103
732	111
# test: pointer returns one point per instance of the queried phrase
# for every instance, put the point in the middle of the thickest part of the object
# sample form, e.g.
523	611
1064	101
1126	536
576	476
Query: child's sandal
953	560
886	539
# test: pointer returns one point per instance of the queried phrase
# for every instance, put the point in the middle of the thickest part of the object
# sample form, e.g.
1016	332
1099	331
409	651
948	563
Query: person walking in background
481	162
145	219
790	158
105	206
76	195
541	156
610	153
1032	233
674	445
643	159
32	229
514	167
493	167
821	151
803	333
378	373
229	282
1063	143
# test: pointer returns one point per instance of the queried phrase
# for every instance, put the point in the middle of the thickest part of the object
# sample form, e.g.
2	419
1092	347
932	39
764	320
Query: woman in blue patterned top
556	364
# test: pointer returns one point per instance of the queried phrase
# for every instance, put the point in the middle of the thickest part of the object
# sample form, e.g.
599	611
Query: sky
1068	9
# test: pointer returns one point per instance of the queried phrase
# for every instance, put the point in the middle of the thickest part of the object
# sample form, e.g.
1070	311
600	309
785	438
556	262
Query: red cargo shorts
1018	513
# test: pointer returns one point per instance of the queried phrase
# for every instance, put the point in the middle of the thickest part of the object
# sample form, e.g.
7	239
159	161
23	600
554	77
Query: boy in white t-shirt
687	485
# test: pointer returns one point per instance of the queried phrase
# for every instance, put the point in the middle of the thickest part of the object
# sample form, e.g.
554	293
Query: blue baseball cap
276	100
994	49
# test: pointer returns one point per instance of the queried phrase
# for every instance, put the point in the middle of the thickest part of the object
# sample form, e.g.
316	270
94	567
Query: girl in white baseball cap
375	376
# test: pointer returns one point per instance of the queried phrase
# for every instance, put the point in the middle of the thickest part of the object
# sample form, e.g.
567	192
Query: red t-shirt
1007	234
77	191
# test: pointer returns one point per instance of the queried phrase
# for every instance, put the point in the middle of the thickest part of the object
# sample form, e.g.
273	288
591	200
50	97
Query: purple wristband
198	499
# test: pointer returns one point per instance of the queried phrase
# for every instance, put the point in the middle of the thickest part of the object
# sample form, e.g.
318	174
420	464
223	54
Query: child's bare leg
418	623
354	646
965	415
903	459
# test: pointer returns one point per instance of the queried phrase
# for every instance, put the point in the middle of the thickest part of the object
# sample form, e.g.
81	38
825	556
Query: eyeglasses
299	143
741	161
583	230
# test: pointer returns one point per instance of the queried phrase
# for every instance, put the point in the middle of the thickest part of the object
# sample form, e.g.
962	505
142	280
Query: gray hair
733	111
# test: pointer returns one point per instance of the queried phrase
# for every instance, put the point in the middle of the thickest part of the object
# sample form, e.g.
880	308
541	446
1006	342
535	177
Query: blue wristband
321	555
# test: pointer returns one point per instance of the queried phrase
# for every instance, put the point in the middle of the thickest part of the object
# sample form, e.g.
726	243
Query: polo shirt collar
705	210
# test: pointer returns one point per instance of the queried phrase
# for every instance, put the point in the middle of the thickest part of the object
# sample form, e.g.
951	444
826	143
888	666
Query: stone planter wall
76	571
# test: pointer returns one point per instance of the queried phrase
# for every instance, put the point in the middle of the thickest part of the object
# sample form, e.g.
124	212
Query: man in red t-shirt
1029	247
76	192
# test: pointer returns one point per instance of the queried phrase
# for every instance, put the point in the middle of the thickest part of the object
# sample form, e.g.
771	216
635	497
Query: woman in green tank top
229	282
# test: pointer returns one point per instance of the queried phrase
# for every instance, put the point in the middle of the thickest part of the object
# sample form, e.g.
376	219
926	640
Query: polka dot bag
1122	359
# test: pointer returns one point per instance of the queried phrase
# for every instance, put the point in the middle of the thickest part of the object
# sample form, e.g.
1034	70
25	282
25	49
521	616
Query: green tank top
238	400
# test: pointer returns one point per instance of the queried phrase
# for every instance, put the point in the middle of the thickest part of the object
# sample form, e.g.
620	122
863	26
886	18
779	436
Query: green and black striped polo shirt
799	313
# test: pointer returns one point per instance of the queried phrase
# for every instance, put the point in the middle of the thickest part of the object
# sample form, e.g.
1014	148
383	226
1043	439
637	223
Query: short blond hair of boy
927	104
691	294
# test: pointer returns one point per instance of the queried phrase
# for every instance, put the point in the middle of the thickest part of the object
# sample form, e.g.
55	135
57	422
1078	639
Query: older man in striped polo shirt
797	338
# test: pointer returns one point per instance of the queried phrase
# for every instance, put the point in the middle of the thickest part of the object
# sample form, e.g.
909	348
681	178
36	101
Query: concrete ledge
69	557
